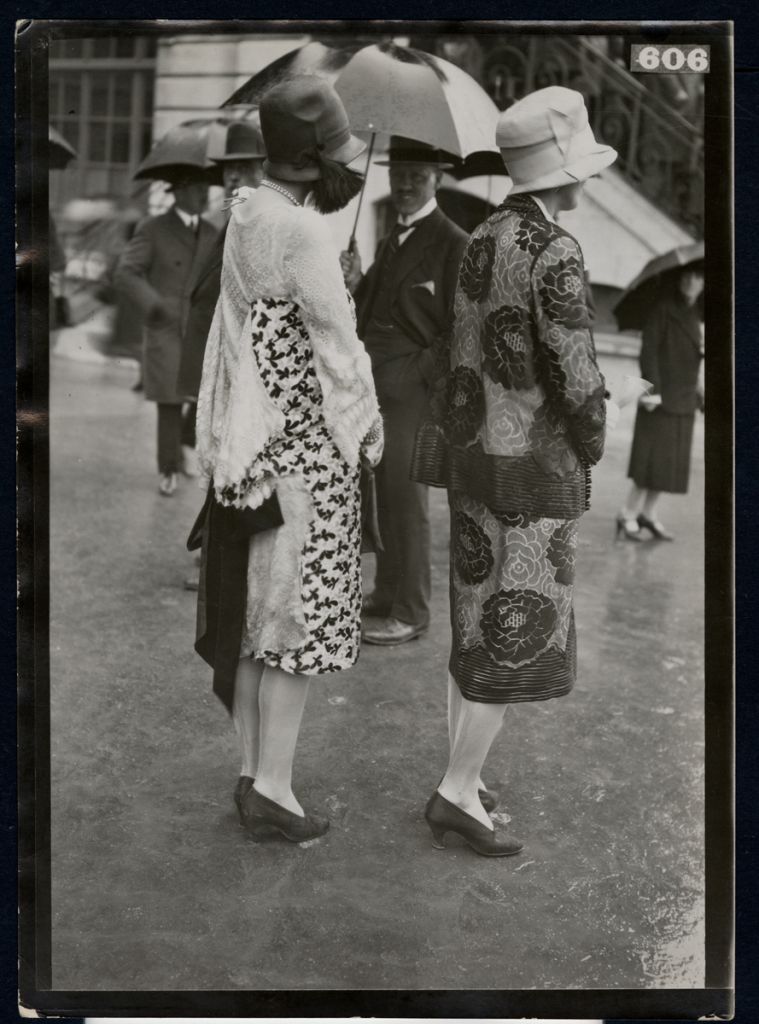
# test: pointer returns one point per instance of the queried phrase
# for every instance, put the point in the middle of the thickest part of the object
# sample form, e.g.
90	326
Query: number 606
686	59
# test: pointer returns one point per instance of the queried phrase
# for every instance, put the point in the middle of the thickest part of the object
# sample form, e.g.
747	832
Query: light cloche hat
546	141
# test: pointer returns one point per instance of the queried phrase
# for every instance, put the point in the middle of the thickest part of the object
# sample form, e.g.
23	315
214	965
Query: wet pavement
155	886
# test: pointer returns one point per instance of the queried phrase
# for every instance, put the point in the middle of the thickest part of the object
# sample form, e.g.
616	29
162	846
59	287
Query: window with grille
101	101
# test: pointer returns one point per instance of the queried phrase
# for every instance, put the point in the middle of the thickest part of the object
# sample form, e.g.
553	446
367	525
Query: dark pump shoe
442	816
263	817
655	527
389	632
243	787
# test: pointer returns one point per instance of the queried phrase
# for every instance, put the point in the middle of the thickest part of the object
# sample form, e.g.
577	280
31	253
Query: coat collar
213	260
180	229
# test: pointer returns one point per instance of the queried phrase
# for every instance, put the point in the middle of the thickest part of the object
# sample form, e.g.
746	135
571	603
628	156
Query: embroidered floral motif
532	235
473	554
525	564
517	625
562	293
504	337
548	442
477	267
561	552
517	520
466	403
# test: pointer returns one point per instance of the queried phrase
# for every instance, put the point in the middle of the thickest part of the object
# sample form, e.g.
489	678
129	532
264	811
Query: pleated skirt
512	619
661	451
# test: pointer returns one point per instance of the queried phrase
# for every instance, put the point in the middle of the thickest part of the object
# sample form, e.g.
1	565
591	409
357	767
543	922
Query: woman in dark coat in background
670	358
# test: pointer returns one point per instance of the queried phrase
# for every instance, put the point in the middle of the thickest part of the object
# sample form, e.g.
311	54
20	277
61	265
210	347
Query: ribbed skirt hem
483	681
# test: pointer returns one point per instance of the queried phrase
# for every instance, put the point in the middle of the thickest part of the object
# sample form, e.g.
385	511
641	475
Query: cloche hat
546	141
302	115
411	151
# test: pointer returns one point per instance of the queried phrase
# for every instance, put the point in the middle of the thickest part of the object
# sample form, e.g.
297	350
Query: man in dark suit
405	304
154	272
240	159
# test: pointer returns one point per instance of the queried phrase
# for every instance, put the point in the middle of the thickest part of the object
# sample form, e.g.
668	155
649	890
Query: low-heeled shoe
442	816
263	817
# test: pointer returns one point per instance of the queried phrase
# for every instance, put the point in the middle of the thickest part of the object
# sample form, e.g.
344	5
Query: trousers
402	581
175	428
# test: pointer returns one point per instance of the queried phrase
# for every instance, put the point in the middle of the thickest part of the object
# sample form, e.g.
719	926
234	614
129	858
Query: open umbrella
633	307
181	149
396	90
59	151
399	91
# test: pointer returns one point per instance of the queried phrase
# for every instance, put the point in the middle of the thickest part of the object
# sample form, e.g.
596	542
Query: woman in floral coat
517	420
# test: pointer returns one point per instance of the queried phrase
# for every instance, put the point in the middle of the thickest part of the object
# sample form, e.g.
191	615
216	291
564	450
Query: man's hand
350	264
650	402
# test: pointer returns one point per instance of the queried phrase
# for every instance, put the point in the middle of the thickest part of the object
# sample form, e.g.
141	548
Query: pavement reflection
156	887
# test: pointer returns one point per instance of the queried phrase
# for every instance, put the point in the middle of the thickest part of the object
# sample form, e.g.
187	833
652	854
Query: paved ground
157	887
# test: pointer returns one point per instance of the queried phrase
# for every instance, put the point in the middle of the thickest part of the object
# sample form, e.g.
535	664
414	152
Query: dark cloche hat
302	115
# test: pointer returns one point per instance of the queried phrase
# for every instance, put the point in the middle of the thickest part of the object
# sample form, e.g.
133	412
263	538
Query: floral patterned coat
517	413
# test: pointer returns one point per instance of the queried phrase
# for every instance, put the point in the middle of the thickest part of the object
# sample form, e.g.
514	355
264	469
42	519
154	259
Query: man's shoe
371	606
389	632
167	484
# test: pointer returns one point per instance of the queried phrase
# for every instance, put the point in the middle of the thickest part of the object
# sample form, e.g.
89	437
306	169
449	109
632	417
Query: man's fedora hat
303	118
411	151
240	140
546	141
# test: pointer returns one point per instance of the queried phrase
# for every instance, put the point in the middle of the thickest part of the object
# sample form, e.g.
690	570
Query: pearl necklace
282	191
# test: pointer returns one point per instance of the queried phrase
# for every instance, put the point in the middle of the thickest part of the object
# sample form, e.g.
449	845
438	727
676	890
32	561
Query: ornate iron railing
660	151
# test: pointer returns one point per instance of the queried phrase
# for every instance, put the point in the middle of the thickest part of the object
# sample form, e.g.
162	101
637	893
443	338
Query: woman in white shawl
287	411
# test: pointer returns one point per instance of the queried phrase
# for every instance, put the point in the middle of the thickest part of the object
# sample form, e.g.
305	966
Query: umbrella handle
352	239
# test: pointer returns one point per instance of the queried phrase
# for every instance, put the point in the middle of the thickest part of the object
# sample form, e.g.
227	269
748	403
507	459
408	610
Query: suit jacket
204	295
156	270
423	286
670	355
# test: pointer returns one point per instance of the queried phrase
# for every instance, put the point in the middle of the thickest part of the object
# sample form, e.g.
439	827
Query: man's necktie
394	243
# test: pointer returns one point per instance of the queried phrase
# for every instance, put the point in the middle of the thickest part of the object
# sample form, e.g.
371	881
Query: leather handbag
234	524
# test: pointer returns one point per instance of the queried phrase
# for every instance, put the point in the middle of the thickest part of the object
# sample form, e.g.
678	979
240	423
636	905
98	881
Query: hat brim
348	152
579	170
238	156
344	154
442	165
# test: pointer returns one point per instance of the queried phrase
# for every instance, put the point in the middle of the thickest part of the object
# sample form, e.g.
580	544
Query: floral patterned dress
330	569
517	418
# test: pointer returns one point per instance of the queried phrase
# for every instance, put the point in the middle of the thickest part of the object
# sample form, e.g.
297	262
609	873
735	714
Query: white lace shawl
279	251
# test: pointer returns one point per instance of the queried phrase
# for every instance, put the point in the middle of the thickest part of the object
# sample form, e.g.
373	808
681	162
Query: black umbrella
181	150
635	304
59	151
